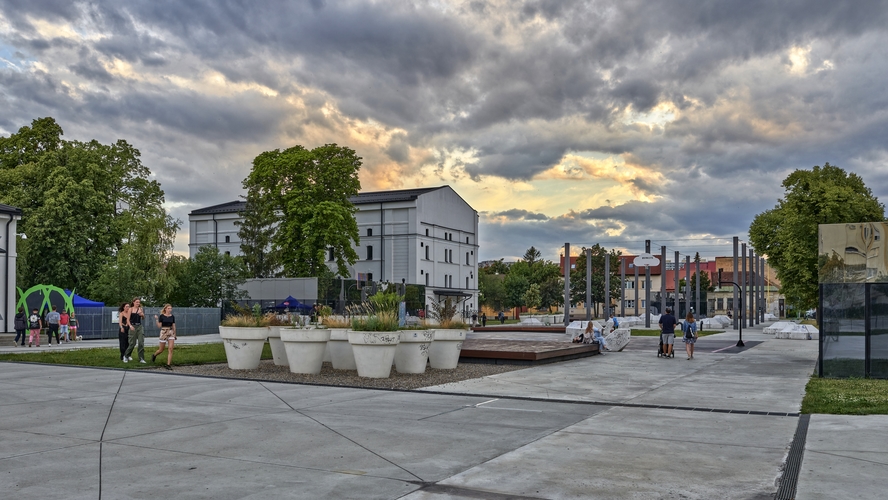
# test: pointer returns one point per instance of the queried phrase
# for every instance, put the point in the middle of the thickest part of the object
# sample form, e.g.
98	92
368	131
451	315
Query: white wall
8	276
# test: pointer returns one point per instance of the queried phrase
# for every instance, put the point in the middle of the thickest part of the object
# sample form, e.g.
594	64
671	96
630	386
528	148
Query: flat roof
360	199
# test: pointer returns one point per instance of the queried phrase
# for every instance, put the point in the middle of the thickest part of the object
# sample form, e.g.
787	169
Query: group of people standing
131	334
58	324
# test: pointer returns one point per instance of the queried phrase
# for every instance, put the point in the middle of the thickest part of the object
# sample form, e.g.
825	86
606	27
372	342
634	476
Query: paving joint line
340	434
462	394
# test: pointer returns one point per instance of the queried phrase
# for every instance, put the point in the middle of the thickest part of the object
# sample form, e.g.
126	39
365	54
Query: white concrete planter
444	351
374	352
243	345
277	346
341	354
412	353
305	348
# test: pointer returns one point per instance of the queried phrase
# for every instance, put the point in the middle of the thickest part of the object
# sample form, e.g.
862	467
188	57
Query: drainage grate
790	479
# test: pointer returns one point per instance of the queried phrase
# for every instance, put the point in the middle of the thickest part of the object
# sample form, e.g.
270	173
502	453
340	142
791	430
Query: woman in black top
167	324
123	331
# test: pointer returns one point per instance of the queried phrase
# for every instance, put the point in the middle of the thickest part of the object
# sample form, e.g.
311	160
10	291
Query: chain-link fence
96	322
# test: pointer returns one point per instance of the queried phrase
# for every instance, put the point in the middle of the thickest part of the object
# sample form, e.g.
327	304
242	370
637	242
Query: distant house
425	236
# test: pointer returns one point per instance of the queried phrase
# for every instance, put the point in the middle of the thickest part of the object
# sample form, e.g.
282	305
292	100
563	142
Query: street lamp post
739	304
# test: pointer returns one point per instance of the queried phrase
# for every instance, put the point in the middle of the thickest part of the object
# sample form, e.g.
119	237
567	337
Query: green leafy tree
87	209
552	293
496	267
304	196
532	297
788	233
515	285
214	278
492	290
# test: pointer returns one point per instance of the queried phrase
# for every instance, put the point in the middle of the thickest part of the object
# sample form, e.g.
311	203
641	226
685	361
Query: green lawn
846	396
656	333
198	354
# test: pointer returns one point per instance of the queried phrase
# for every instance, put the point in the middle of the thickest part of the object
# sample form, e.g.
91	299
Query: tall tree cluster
531	281
788	233
298	210
93	219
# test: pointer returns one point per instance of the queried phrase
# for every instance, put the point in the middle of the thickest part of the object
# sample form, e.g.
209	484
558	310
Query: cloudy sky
559	121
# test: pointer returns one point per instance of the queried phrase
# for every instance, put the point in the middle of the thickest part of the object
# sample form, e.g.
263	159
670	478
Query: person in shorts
690	334
667	331
64	319
167	324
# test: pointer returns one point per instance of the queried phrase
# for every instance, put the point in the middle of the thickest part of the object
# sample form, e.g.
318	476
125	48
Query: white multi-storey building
426	236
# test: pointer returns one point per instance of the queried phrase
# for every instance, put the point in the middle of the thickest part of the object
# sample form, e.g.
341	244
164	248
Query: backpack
689	329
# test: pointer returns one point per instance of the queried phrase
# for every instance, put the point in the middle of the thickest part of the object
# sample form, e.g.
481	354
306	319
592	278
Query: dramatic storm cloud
560	121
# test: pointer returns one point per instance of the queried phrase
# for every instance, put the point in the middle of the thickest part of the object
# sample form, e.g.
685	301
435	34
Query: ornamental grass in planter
374	335
243	336
449	338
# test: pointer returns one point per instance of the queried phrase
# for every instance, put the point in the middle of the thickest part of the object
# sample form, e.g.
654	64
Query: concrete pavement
623	425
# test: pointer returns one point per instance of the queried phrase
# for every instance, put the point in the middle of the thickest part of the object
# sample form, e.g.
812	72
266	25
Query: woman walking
123	313
167	324
21	324
690	334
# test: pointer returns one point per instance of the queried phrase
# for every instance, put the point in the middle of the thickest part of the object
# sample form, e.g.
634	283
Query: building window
228	253
467	282
369	276
330	254
427	279
427	231
427	253
629	285
228	239
730	303
721	304
467	260
369	253
467	240
421	271
629	303
369	231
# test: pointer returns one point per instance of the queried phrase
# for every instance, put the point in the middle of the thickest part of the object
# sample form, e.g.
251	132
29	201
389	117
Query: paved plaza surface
622	425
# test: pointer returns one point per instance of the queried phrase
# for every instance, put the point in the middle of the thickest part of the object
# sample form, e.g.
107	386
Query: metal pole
697	302
755	290
647	287
588	284
662	279
750	319
607	281
622	287
688	283
742	281
566	284
764	304
675	272
636	288
736	279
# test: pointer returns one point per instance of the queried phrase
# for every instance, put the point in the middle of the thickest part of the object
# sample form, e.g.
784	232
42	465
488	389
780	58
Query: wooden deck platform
523	352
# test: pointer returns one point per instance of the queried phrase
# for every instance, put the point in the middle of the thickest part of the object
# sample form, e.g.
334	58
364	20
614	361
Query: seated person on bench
591	334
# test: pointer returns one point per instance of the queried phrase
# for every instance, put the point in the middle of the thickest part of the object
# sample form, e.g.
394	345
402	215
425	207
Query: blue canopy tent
293	305
79	301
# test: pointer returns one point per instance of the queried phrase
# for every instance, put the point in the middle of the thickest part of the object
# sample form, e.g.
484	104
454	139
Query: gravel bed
269	371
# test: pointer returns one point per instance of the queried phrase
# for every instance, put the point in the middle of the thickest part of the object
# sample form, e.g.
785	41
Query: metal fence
95	322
